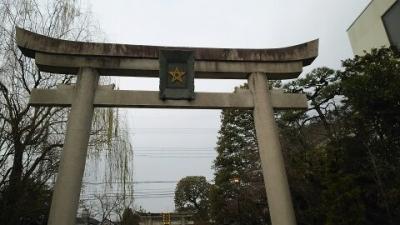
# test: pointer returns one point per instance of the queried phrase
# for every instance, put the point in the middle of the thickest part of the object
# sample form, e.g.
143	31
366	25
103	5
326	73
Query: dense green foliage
130	218
192	195
342	154
35	198
238	194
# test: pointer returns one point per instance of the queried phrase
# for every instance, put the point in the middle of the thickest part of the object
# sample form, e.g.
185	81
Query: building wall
368	30
391	19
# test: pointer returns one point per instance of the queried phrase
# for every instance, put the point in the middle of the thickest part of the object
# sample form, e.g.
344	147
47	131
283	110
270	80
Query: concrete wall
368	30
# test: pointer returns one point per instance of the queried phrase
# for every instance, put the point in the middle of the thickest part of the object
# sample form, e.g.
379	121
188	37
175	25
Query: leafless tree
106	206
31	138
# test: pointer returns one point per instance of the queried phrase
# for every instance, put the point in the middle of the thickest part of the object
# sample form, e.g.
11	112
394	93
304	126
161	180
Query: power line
140	197
135	182
179	130
113	195
178	157
153	189
132	182
188	149
174	147
177	152
125	194
172	128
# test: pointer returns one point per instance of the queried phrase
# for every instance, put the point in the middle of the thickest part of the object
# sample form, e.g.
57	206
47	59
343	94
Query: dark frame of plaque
176	75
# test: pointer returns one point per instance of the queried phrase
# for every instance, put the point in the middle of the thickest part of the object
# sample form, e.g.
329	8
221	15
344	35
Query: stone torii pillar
273	166
73	158
91	60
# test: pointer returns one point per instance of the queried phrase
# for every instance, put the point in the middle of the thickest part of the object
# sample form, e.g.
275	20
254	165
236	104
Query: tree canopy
192	195
342	154
129	217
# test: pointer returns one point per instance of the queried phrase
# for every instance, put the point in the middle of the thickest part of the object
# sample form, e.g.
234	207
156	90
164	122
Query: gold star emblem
177	75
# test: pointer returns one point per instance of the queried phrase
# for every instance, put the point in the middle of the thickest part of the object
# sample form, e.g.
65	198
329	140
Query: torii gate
91	60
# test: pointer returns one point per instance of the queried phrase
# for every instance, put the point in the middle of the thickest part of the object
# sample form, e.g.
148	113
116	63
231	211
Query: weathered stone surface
31	42
106	97
65	200
272	163
218	63
118	66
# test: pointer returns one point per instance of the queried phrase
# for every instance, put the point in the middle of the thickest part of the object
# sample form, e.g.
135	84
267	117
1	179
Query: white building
378	25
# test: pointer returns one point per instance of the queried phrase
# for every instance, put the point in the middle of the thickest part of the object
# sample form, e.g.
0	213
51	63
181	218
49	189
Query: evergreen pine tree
238	195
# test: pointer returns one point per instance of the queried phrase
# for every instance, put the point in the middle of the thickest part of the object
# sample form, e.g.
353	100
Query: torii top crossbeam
62	56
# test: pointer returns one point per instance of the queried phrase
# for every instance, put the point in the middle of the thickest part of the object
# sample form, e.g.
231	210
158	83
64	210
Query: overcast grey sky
209	23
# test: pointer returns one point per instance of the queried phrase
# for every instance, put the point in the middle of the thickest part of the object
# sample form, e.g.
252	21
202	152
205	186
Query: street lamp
236	180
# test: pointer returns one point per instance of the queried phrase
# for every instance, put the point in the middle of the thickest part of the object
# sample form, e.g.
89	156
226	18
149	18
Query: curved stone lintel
30	43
